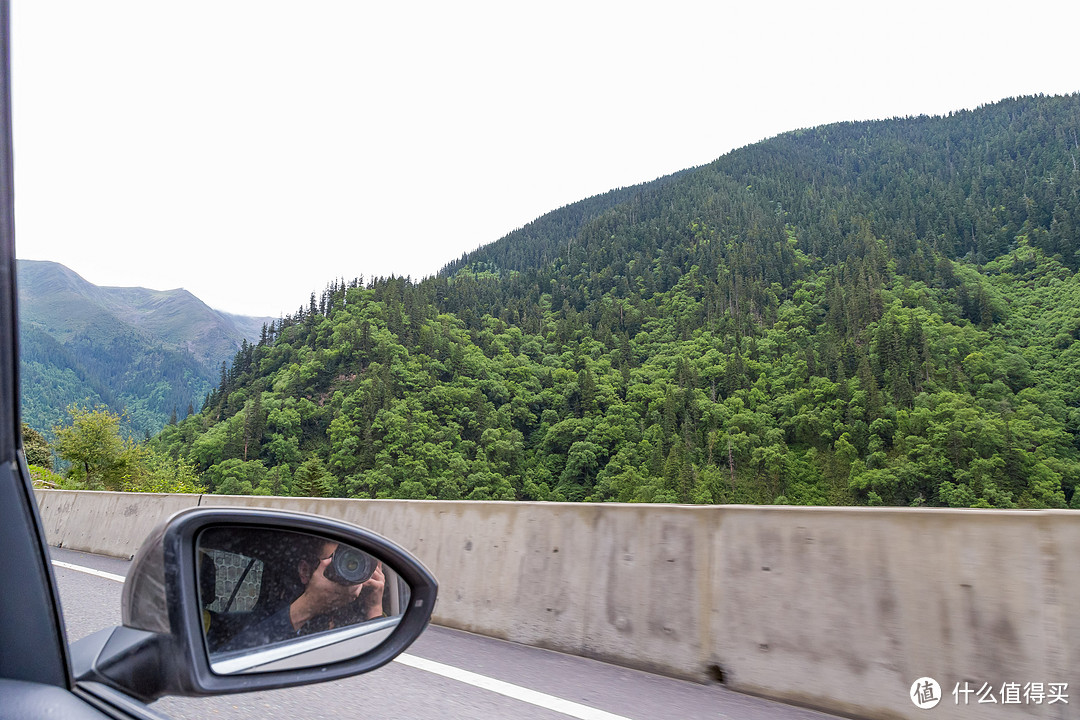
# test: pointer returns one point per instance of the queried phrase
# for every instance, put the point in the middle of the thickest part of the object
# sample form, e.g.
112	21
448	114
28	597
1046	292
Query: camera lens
350	567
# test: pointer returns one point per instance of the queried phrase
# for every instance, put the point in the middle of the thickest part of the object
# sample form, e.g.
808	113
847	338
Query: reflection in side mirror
282	600
228	600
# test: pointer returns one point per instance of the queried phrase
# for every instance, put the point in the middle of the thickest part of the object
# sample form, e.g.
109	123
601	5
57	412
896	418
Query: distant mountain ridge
540	241
149	352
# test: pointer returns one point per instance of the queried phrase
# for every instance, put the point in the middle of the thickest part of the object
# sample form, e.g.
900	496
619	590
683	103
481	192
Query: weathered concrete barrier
836	608
107	523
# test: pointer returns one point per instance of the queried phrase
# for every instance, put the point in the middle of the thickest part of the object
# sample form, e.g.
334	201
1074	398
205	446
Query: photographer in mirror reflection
336	586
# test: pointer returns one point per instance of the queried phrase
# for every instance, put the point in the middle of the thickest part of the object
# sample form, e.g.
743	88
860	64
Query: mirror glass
281	600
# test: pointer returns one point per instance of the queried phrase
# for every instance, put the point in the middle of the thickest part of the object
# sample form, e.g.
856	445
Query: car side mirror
225	600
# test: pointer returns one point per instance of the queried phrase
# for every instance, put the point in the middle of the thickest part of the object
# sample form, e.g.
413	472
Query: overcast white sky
252	151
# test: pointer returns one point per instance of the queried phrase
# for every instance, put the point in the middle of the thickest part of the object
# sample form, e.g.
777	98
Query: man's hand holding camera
324	595
371	594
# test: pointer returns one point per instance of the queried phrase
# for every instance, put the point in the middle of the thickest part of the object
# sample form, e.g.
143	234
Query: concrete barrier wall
107	523
836	608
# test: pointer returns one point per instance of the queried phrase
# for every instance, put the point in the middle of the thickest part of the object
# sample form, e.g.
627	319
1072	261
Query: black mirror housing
160	649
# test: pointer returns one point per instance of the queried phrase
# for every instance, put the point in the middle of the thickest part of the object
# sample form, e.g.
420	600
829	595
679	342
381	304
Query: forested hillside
873	313
540	242
144	352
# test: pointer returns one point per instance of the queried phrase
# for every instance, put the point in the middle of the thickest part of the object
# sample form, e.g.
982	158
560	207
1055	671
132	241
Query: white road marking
89	571
548	702
533	697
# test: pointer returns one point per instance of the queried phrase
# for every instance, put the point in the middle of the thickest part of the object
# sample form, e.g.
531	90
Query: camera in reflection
350	567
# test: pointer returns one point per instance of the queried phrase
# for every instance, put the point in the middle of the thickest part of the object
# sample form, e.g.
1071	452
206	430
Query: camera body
350	567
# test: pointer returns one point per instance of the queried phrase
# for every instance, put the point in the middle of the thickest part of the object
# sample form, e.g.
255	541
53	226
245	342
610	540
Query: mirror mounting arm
133	661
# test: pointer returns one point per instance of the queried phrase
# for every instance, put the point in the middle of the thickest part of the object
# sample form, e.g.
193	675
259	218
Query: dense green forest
862	313
129	373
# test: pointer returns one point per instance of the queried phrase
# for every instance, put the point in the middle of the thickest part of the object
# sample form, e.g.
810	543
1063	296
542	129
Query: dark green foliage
312	480
545	239
880	313
36	448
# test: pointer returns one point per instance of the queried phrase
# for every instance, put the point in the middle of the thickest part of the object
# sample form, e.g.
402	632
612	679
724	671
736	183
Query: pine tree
312	479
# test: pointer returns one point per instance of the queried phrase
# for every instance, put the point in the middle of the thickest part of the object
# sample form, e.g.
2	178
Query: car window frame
32	636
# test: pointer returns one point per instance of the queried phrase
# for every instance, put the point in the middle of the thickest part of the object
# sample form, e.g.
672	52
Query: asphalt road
445	674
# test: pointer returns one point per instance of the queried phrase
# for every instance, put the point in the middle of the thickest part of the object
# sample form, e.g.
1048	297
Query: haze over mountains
148	352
